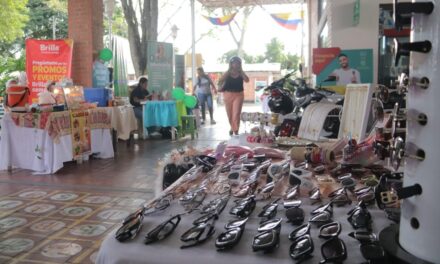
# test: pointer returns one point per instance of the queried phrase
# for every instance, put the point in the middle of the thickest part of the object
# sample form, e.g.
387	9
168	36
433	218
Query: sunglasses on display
266	190
269	211
321	218
359	216
268	237
243	208
130	229
232	235
328	207
215	206
330	230
292	203
301	248
156	206
295	215
193	199
370	247
315	195
300	231
341	199
333	251
198	234
292	192
206	162
277	171
163	230
337	192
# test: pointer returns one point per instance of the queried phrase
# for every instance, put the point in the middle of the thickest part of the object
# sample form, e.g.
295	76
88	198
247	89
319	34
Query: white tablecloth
34	149
168	250
123	120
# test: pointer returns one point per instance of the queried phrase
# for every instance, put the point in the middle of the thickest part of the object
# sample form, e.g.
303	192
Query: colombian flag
283	20
221	21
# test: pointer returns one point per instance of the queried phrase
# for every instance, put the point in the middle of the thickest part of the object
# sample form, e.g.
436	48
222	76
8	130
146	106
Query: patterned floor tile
59	250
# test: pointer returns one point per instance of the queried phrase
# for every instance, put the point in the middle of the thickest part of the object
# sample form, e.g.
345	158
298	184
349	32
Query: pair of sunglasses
244	207
234	174
333	250
360	217
232	235
277	171
268	237
203	228
341	199
193	199
365	194
206	162
266	190
215	206
370	247
322	214
330	230
292	192
302	246
315	195
163	230
158	205
269	211
295	215
130	228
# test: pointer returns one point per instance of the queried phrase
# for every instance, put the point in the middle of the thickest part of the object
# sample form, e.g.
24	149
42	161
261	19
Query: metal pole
54	27
193	41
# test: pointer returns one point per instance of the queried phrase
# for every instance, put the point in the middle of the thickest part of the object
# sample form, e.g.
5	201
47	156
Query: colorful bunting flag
283	20
221	21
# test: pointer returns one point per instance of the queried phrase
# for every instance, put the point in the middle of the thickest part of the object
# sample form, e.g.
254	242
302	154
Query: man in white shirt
345	74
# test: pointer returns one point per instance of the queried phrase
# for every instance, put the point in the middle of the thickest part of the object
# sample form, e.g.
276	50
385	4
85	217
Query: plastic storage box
99	95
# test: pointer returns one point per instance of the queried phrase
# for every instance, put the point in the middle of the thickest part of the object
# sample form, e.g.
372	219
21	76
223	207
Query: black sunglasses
295	215
130	229
244	207
268	237
315	195
232	235
341	199
360	217
330	230
301	248
163	230
292	193
198	234
215	206
370	248
328	207
300	231
321	218
269	211
333	251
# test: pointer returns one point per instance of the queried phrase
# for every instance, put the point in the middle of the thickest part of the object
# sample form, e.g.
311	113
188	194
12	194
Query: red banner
47	60
322	57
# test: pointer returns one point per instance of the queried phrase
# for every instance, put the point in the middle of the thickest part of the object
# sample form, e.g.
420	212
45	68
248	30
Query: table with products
42	142
168	250
162	113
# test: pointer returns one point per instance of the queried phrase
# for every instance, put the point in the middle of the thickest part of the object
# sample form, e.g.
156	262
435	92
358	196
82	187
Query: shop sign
47	60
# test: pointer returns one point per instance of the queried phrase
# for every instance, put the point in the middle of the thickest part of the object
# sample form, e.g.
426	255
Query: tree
140	31
42	17
240	30
13	17
119	25
275	53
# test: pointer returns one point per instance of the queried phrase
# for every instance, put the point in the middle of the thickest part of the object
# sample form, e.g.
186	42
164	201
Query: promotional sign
81	143
47	60
160	66
335	70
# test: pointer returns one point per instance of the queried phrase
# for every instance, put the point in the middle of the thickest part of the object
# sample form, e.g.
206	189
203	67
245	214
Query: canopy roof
234	3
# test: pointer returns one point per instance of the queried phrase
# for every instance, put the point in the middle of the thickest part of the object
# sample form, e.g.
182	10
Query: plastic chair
189	126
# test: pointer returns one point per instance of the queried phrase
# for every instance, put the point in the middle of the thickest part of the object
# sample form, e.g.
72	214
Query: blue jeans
205	99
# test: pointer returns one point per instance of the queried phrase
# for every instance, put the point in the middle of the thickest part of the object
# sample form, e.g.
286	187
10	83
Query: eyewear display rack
418	237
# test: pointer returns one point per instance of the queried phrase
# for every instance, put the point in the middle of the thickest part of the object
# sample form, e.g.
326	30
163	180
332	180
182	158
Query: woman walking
232	88
203	89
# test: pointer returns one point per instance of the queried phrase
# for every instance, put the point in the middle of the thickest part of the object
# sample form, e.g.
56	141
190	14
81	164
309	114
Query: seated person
138	95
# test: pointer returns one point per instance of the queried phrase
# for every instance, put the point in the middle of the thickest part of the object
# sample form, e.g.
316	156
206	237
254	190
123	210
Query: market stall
284	191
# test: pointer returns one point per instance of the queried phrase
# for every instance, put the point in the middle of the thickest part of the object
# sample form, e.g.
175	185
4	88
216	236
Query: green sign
356	12
160	66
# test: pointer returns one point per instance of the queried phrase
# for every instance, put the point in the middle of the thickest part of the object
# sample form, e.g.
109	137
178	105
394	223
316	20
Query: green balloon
105	54
190	101
178	93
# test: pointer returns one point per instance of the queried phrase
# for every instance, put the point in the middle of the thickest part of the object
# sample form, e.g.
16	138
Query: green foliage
9	65
13	16
274	53
40	25
119	25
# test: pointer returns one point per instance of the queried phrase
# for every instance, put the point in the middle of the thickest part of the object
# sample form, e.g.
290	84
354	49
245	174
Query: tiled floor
62	218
